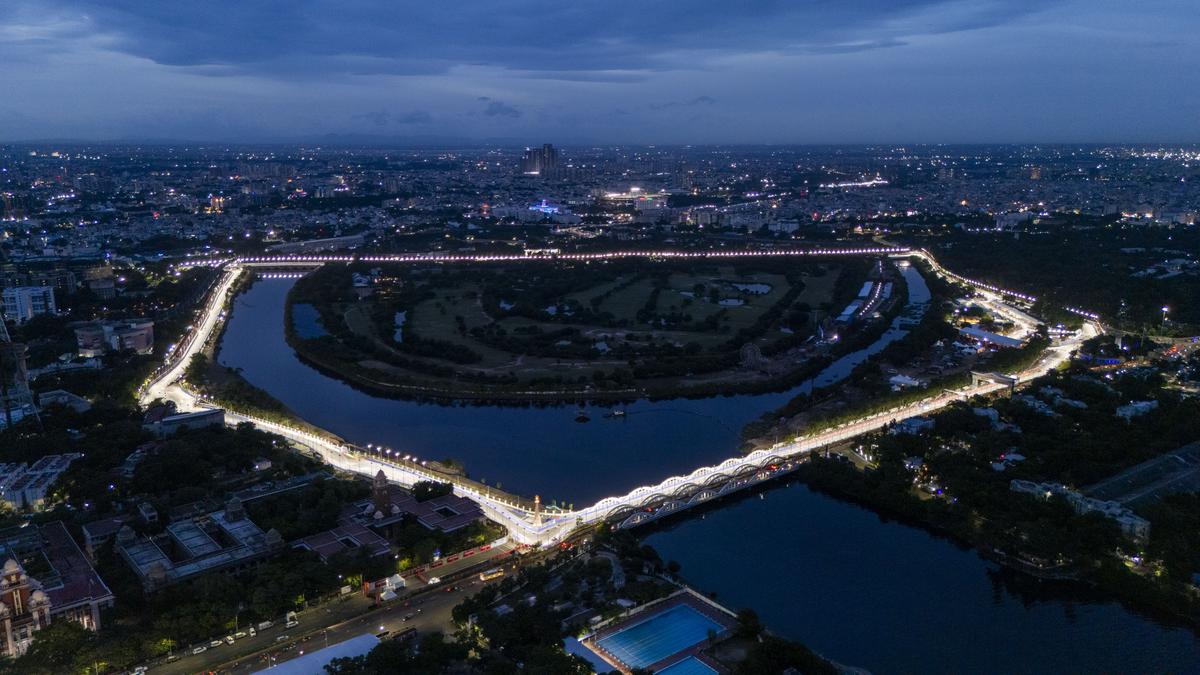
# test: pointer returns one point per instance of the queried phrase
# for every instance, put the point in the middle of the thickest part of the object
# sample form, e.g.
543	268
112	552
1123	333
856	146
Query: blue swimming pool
689	666
658	636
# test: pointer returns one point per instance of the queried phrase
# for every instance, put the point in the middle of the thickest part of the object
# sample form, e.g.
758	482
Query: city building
348	535
16	399
390	505
984	337
22	303
97	337
58	279
171	424
319	245
1130	523
63	398
98	533
26	487
1007	221
66	586
226	541
541	161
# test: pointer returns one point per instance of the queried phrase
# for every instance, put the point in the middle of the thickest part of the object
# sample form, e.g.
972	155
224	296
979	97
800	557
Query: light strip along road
524	524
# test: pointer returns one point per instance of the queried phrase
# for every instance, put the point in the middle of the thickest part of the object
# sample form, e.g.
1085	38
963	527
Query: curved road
524	525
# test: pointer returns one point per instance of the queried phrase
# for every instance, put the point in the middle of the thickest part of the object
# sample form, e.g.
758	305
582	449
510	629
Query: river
863	591
527	450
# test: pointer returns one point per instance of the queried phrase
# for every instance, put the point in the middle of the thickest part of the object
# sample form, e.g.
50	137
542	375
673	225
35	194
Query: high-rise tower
15	397
541	161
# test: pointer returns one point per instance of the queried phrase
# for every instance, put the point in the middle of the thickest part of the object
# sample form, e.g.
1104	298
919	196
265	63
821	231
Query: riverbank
225	387
1108	575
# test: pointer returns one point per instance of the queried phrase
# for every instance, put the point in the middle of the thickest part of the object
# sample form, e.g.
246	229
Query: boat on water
616	414
582	416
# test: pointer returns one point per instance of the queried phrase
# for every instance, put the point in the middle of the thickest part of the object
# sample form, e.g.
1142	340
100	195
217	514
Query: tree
748	624
54	649
425	490
774	655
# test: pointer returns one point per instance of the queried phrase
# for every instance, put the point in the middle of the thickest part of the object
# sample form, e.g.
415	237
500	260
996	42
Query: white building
22	303
26	487
1130	523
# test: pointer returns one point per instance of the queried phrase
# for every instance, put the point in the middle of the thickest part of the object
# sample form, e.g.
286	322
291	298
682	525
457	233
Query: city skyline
922	71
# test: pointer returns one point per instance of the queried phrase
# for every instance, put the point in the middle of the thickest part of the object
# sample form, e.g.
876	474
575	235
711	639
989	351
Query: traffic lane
433	613
311	620
499	555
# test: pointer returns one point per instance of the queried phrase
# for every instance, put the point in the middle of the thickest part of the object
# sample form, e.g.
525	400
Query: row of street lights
394	455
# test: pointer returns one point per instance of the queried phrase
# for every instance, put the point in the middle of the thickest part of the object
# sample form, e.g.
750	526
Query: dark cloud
586	40
379	119
690	103
688	71
415	117
500	109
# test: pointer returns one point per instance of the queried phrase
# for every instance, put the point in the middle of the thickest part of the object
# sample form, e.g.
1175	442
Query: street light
1165	309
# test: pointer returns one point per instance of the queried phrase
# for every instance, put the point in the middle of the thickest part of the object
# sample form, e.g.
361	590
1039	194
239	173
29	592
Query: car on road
215	643
228	639
281	638
239	635
263	625
434	581
292	624
199	650
408	617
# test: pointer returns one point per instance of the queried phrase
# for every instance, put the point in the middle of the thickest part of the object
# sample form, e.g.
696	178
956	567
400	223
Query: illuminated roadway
645	502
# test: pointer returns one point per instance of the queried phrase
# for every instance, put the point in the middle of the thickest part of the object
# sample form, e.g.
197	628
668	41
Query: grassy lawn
585	296
818	289
436	318
625	303
688	332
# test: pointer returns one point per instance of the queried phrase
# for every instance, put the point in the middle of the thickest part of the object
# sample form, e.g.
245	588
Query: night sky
618	71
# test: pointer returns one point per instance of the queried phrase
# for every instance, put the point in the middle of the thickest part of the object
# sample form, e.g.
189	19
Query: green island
624	329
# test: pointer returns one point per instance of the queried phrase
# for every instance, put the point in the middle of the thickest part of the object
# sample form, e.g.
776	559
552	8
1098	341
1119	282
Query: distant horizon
367	141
